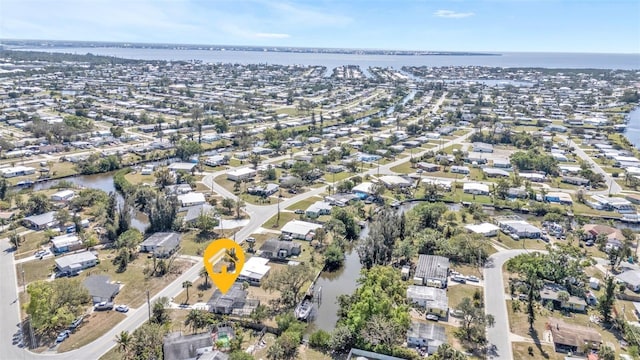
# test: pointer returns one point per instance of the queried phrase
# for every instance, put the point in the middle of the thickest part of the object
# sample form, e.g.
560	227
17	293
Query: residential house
226	303
357	354
297	229
575	180
573	338
558	197
433	300
182	166
475	188
455	169
426	335
254	270
161	244
191	199
550	293
495	172
631	278
612	203
428	167
242	174
518	227
614	237
278	249
395	181
41	222
15	171
432	270
100	288
66	243
335	169
482	147
264	191
363	190
484	229
177	346
63	195
74	263
317	209
194	212
216	160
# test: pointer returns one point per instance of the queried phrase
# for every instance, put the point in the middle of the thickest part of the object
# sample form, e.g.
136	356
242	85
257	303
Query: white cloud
272	36
450	14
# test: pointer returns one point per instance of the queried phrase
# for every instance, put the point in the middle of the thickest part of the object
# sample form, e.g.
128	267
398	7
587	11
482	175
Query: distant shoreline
51	44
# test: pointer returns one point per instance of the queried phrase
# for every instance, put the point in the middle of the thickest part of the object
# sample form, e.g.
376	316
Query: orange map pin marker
223	259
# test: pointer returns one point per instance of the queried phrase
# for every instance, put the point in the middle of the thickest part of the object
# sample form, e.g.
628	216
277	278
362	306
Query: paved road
495	304
614	188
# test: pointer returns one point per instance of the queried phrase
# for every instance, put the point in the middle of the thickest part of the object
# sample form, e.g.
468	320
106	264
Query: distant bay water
329	60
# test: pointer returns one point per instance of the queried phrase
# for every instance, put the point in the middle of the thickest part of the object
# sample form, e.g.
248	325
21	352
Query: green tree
187	148
240	355
606	353
37	204
125	343
205	275
186	285
159	314
148	340
228	203
377	247
289	282
333	257
129	239
473	323
54	305
320	340
605	304
446	352
164	177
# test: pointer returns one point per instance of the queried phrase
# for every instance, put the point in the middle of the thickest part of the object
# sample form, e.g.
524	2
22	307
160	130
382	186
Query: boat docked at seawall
303	310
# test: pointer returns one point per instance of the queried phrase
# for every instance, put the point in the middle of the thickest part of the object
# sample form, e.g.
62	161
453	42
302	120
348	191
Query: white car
433	317
473	278
122	308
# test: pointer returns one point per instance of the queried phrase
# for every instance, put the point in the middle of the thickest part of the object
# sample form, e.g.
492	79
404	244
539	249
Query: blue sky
603	26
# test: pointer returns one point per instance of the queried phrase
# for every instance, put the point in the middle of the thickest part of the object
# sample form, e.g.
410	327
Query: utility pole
149	305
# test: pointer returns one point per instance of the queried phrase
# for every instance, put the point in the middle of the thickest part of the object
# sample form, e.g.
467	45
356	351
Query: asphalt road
614	188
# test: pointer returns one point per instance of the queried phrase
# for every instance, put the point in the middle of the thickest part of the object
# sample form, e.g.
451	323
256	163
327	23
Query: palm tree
125	342
205	274
186	285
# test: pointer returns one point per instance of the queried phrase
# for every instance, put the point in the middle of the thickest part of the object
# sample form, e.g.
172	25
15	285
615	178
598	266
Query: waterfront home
558	197
357	354
431	270
63	195
182	166
426	335
297	229
254	270
15	171
74	263
161	244
363	190
475	188
433	300
395	181
226	303
177	346
518	227
100	288
611	203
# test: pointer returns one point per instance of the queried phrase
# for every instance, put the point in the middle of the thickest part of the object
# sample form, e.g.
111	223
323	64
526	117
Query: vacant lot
93	326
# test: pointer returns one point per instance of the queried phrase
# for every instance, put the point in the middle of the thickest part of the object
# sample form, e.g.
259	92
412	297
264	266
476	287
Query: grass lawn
404	168
285	217
509	243
458	292
62	169
194	244
35	270
197	293
137	178
31	242
136	283
521	351
303	204
92	327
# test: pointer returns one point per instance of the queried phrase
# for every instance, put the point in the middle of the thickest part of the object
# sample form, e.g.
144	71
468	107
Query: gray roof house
193	212
161	244
73	263
235	298
191	347
631	278
40	222
357	354
277	249
434	300
100	289
427	335
432	270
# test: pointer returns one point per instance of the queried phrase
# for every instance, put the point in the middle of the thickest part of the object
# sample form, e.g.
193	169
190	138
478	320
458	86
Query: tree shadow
536	340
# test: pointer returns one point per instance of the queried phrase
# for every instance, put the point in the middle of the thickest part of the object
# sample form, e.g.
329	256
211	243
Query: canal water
632	131
102	182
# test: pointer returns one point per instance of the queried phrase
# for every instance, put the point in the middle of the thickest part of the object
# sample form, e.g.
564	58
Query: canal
632	131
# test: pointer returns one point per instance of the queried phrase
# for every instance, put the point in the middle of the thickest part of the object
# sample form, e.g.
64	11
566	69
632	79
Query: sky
591	26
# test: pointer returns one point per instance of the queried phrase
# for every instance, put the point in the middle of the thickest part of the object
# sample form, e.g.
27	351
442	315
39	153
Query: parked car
122	308
458	278
433	317
41	253
299	211
473	278
456	313
589	243
74	325
522	297
63	336
103	306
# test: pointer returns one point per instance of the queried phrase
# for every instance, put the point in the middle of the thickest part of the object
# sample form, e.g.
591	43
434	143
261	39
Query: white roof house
63	195
475	188
17	171
241	174
76	262
395	181
191	199
300	229
181	166
254	270
485	229
363	187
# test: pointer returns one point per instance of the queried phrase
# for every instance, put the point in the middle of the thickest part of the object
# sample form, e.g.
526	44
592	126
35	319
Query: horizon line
488	52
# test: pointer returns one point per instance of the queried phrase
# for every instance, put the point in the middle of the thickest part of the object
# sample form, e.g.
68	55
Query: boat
303	310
